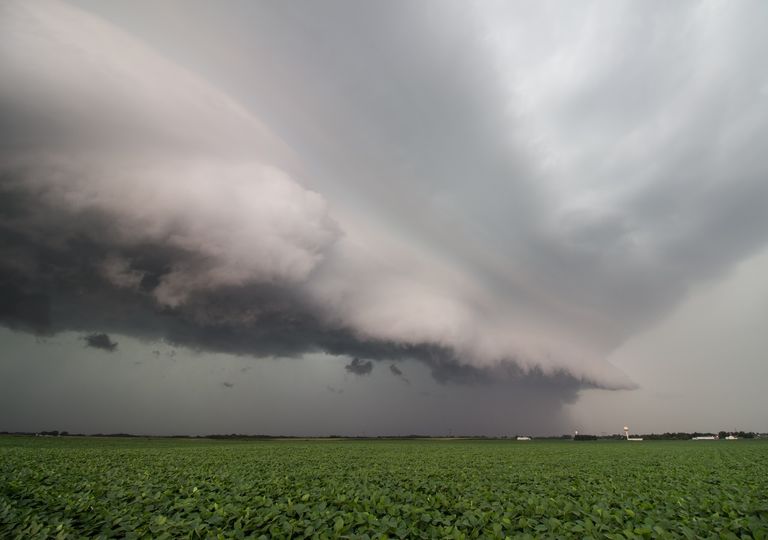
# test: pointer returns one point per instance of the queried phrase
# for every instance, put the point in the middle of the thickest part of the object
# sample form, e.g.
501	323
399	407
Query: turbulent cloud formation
359	367
457	184
100	341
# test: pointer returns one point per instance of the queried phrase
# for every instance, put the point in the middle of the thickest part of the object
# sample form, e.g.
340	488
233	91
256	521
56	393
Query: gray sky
348	217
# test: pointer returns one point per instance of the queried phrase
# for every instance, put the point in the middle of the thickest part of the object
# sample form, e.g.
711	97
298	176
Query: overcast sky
383	218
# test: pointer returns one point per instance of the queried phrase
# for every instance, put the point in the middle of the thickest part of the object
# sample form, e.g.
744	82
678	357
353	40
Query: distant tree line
667	436
581	437
739	434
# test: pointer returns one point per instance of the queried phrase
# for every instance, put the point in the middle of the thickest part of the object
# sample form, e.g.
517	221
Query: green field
166	488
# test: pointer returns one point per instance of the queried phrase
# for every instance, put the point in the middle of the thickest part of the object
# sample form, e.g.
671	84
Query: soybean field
73	487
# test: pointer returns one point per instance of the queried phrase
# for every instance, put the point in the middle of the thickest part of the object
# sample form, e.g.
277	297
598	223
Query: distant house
731	438
705	438
523	438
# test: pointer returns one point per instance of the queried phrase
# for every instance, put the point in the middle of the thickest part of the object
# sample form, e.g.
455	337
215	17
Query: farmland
171	488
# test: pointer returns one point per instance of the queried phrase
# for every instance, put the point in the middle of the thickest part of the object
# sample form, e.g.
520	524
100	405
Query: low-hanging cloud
100	341
359	367
443	234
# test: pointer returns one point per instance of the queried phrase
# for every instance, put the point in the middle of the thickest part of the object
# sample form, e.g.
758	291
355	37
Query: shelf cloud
398	189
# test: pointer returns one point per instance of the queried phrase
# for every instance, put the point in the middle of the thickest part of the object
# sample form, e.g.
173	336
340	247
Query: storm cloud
100	341
359	367
449	183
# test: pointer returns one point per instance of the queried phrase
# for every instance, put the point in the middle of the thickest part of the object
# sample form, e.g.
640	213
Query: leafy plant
175	488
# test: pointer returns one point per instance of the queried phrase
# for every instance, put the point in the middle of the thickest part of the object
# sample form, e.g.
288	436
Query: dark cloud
359	367
71	292
22	310
257	320
100	341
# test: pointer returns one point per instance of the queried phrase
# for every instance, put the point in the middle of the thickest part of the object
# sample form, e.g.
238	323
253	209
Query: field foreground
175	488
